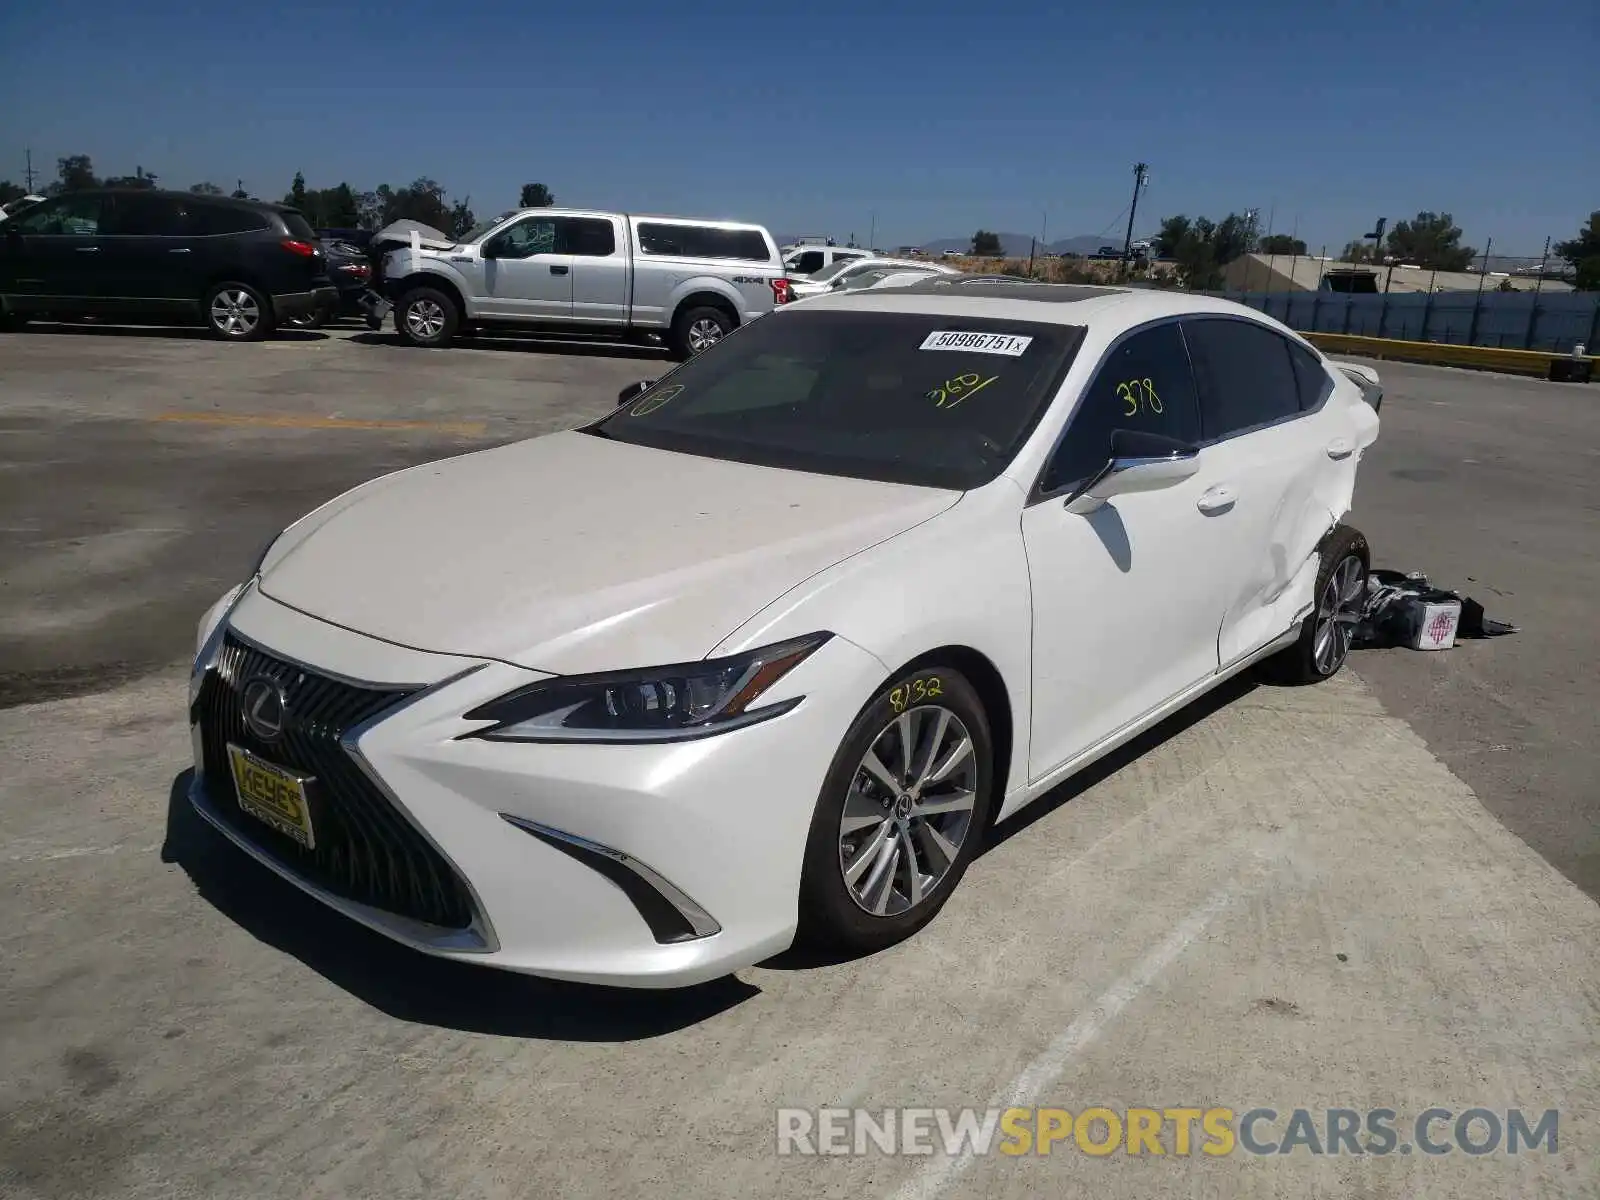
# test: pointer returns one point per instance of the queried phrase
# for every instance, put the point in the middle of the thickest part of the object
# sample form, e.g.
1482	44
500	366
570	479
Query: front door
1126	599
51	256
528	278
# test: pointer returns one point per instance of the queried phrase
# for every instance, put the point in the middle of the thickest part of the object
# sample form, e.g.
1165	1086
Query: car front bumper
638	865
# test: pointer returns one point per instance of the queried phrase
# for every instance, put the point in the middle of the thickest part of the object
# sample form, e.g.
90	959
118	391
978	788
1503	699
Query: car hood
571	553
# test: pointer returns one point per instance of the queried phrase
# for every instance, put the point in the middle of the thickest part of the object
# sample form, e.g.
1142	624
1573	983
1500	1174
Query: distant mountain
1015	245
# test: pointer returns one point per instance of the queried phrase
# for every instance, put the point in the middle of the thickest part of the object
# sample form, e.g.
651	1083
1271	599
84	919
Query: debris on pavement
1405	609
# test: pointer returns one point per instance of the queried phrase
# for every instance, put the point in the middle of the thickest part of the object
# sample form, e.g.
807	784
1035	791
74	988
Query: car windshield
931	400
483	227
836	267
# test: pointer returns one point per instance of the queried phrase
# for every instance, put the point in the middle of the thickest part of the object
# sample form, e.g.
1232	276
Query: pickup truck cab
687	281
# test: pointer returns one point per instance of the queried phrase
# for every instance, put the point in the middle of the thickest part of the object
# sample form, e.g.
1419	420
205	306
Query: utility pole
1141	175
28	175
872	238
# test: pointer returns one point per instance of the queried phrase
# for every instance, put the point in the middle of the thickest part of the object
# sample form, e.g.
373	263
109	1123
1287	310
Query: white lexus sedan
763	653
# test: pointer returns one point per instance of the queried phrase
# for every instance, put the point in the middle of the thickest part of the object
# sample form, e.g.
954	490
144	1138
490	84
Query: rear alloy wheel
426	317
237	312
697	330
1328	633
902	813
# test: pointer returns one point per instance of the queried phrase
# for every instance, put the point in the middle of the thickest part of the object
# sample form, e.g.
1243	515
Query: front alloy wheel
908	811
902	812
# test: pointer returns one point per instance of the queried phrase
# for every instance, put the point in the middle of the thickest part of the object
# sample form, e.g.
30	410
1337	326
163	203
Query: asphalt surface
1355	895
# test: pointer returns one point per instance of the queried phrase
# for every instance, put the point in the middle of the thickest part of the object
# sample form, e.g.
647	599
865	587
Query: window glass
1315	384
702	241
536	235
1243	374
208	219
69	215
593	237
297	225
1144	385
807	263
136	214
902	397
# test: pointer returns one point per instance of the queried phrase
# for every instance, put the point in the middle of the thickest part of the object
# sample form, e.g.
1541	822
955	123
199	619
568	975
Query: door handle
178	250
88	249
1217	499
555	270
1341	448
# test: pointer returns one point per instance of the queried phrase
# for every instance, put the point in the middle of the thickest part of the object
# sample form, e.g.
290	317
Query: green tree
1358	251
296	197
1583	252
205	189
11	191
1201	247
139	179
461	218
535	195
340	208
1281	243
986	244
73	174
1433	241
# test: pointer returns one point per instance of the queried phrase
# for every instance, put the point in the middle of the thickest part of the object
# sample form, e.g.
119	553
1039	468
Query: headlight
659	704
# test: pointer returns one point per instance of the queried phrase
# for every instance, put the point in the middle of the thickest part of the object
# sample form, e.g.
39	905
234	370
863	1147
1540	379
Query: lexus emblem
265	708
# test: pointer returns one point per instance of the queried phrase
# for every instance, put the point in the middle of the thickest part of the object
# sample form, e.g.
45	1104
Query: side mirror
1140	462
634	390
491	248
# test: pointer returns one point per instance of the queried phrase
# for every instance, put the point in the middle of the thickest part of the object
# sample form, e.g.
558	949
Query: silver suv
690	282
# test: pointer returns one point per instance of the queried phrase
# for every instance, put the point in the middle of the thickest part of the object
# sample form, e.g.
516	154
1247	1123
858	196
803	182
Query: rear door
1266	461
599	268
148	253
528	278
51	255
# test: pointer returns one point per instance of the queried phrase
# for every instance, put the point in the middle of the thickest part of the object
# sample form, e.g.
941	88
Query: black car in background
241	267
351	272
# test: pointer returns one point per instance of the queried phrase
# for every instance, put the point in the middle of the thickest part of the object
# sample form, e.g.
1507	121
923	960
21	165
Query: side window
703	241
1144	384
536	235
1243	373
593	237
1315	384
73	216
808	262
211	220
132	214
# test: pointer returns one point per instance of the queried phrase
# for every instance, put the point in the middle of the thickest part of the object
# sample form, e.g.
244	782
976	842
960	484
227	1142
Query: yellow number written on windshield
953	391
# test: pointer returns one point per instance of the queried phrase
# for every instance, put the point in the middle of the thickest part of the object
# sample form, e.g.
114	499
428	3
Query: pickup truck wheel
426	317
696	330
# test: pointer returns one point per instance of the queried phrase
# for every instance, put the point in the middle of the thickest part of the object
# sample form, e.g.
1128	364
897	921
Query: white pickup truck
687	281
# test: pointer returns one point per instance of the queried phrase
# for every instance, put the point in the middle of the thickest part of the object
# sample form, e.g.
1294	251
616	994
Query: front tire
236	312
426	317
1327	634
696	330
902	812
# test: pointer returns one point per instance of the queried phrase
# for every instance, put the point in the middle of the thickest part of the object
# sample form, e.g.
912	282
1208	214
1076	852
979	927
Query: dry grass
1056	270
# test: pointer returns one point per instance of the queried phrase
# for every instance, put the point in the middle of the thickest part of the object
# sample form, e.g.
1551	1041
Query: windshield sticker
953	391
1139	394
649	404
978	343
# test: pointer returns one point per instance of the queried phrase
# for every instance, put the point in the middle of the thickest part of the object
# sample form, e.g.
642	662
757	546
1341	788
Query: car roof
169	194
1021	300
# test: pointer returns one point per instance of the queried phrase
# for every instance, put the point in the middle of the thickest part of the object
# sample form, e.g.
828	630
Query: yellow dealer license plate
272	794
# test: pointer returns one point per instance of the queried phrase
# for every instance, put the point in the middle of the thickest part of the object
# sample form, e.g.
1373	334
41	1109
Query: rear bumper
303	304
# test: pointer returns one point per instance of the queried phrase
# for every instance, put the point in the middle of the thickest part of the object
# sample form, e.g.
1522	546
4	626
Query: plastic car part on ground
1405	609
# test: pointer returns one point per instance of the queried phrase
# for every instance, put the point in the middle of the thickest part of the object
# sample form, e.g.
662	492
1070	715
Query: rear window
912	398
210	220
298	226
702	241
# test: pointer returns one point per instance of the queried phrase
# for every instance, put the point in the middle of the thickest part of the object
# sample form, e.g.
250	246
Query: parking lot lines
314	421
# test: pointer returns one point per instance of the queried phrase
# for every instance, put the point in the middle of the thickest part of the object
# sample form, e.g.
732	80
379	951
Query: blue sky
939	117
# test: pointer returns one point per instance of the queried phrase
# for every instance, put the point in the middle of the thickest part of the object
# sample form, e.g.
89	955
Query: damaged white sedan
764	652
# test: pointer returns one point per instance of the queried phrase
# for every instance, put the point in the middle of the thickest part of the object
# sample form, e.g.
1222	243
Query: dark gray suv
241	267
